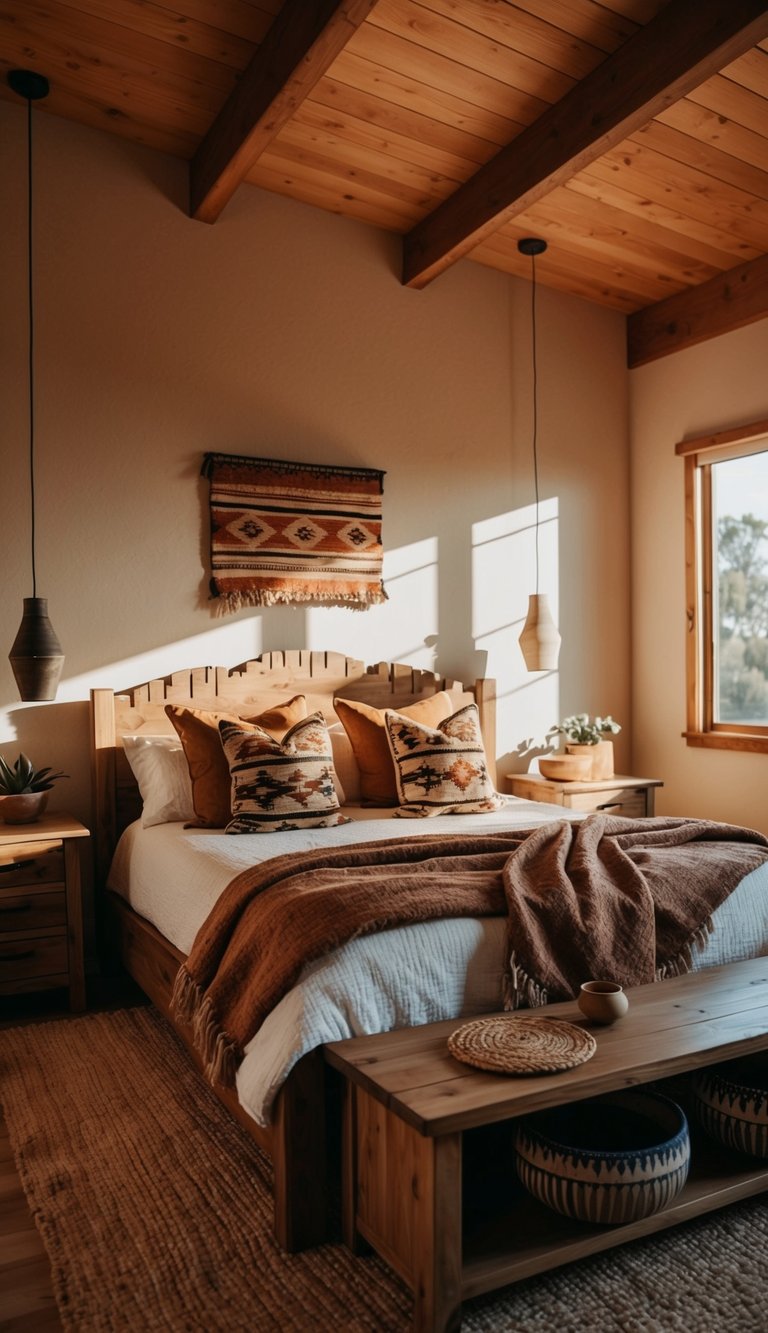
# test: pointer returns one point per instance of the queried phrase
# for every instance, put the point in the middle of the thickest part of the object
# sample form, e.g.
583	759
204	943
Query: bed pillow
441	771
367	733
279	785
199	735
160	769
347	773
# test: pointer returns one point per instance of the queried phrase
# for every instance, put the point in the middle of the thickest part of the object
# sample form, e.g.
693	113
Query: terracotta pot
24	807
600	755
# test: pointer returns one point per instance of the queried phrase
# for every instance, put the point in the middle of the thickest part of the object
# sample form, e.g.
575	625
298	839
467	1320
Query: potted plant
24	790
589	736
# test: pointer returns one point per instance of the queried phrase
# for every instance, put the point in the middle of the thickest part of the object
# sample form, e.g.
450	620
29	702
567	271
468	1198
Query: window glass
740	590
726	588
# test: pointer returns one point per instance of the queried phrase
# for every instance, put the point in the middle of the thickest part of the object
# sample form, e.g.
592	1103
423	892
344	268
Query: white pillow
346	771
160	768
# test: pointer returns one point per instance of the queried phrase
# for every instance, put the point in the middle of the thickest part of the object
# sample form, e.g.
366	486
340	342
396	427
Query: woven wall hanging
294	532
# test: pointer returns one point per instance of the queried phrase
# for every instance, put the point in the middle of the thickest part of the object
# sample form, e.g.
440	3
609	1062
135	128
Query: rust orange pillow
366	728
207	763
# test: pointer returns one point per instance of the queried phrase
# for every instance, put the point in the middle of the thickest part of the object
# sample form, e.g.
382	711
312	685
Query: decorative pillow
347	773
442	771
160	769
199	735
367	733
278	785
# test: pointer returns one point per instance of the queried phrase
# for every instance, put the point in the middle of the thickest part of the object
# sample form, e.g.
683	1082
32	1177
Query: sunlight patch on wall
224	644
401	629
503	576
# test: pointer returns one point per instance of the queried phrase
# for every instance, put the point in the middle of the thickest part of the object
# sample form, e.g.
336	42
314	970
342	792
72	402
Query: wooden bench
428	1172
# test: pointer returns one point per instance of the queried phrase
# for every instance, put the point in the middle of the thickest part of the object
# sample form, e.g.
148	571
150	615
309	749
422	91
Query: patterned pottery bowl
609	1160
730	1102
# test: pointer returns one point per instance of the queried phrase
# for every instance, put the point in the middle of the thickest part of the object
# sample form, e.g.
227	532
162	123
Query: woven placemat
517	1044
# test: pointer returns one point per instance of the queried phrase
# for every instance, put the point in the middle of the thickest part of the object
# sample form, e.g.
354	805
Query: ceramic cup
603	1001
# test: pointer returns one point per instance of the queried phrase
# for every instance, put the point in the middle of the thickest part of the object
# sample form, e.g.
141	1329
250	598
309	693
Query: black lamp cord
31	339
535	412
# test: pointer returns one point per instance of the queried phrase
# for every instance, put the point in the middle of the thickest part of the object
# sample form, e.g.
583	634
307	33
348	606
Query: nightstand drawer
628	802
23	863
33	912
26	959
623	795
42	865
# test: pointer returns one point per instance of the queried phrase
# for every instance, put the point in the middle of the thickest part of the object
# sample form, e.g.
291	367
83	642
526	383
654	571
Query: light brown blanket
605	897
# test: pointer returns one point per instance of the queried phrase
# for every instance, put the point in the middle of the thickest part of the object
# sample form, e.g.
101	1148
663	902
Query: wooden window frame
699	456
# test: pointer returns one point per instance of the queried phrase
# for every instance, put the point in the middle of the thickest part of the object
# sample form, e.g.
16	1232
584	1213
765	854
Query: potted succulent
589	736
24	790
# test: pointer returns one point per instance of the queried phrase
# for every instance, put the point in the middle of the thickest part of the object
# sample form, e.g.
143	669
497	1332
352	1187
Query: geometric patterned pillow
441	771
278	785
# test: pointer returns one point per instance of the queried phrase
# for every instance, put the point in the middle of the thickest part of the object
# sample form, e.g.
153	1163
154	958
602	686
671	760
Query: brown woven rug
155	1210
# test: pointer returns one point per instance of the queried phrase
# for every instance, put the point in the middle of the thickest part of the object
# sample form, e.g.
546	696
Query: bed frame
297	1138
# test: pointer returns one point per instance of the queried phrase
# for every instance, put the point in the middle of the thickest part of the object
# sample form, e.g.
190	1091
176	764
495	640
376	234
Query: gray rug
155	1210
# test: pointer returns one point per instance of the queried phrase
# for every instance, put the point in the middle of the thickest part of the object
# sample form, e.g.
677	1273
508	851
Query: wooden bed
296	1140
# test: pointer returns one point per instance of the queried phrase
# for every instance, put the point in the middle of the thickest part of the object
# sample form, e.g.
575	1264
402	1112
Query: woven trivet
514	1044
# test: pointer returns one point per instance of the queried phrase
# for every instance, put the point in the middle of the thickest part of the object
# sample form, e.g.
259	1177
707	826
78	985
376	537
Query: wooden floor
26	1294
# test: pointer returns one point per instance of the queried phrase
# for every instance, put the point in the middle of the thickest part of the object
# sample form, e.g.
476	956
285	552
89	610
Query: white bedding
398	978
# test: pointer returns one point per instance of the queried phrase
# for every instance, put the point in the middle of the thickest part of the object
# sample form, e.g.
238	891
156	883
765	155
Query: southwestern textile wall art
294	532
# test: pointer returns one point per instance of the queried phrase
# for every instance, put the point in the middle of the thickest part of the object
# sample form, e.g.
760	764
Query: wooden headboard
251	687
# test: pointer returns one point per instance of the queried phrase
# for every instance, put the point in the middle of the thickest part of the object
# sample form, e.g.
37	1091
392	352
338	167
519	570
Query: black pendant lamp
540	639
36	657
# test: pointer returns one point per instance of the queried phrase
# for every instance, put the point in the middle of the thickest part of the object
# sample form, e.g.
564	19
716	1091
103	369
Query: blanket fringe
185	996
521	991
683	961
219	1053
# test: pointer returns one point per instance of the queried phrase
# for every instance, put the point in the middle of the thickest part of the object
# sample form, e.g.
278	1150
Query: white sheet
397	978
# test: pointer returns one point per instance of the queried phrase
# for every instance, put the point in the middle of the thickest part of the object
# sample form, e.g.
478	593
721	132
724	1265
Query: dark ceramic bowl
609	1159
730	1102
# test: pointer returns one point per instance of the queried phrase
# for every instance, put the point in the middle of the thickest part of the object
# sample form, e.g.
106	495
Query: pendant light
36	657
540	640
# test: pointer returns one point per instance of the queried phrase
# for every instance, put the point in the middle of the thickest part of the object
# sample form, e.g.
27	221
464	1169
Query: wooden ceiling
632	135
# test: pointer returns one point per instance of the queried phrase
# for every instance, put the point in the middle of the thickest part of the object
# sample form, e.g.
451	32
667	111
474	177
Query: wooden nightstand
41	907
620	795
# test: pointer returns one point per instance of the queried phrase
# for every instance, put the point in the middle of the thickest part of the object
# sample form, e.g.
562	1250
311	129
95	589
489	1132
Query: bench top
672	1026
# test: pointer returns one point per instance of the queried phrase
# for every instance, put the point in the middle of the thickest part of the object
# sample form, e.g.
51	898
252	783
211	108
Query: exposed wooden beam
725	303
680	48
303	41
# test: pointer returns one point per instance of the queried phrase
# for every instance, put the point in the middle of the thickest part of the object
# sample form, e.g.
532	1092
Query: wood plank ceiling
632	135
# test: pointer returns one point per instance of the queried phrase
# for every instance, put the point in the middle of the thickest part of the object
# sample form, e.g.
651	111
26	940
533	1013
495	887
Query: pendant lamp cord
535	413
30	304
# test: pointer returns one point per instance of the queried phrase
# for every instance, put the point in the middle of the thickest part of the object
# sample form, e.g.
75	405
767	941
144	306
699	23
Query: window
726	501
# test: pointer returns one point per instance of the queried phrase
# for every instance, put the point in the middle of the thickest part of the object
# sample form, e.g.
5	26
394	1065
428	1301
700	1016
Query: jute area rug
155	1210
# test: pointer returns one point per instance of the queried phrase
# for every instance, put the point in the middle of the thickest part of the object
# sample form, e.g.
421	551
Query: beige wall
719	384
284	331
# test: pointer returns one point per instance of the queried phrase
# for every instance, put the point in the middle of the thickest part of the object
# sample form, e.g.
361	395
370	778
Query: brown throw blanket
606	897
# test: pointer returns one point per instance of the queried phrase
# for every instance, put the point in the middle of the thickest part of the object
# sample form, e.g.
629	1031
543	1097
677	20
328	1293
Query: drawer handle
15	957
8	911
611	805
15	865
